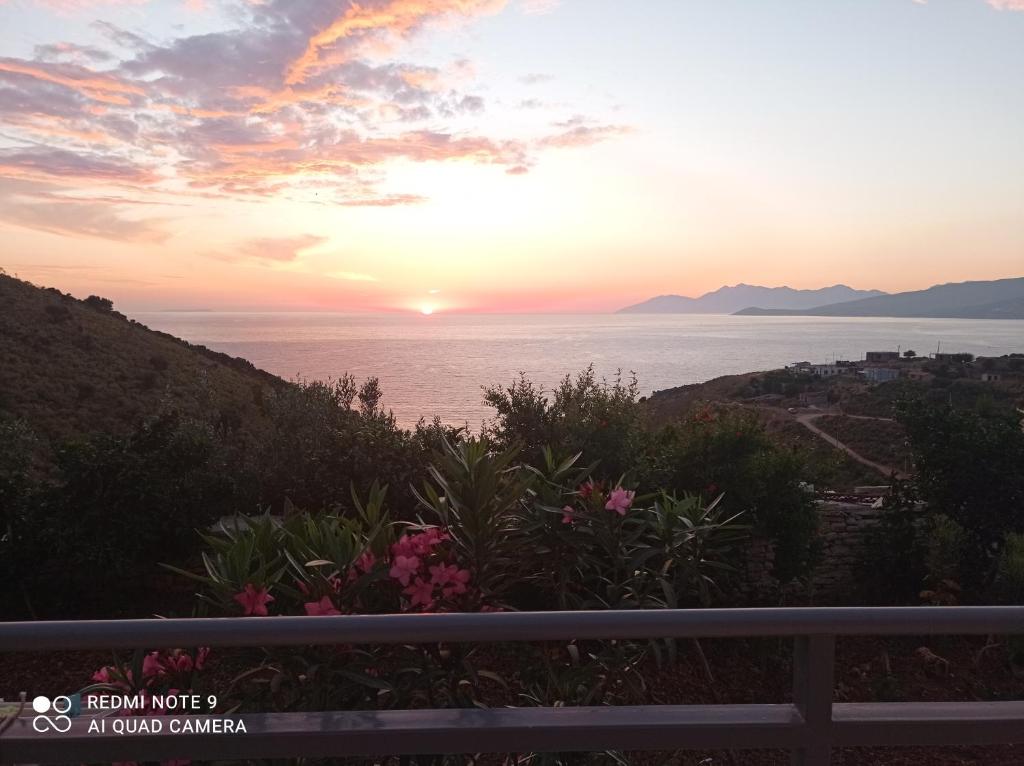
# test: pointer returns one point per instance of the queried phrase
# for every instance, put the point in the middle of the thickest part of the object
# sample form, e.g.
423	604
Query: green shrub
318	445
968	468
604	421
475	493
17	443
727	452
119	505
945	547
892	569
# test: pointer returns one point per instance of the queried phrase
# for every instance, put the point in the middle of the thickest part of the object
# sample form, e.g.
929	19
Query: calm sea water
437	365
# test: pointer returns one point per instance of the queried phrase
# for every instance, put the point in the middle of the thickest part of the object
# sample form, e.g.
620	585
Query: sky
505	155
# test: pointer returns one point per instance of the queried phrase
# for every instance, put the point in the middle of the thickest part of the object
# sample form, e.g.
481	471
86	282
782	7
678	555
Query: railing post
813	679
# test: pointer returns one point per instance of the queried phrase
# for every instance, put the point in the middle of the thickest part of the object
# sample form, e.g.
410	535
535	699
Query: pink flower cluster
425	576
326	605
254	600
163	666
619	500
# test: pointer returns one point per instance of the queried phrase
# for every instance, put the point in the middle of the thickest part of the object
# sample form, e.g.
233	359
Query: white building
880	374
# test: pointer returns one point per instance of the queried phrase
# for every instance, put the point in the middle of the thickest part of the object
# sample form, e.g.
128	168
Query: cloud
390	200
93	85
73	6
535	78
538	7
37	162
311	101
351	276
278	249
40	206
999	5
578	133
365	23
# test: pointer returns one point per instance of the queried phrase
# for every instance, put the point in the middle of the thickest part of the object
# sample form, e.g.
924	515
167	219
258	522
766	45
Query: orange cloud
396	17
95	86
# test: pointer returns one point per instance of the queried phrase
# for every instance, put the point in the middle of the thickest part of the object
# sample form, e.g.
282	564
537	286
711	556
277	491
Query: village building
882	356
880	374
826	370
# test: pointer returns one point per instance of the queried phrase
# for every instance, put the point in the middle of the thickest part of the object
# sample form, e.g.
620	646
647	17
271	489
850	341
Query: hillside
70	367
729	299
995	299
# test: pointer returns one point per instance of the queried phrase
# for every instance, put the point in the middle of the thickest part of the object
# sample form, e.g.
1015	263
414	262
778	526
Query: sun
426	309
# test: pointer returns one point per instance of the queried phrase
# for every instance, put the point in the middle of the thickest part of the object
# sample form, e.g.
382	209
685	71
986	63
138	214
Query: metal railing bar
538	730
928	723
813	679
510	626
580	729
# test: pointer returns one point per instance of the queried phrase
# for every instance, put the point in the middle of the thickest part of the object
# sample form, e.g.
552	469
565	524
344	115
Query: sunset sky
506	155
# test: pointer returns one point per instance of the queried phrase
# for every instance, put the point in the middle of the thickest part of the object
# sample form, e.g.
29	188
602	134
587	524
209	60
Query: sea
438	365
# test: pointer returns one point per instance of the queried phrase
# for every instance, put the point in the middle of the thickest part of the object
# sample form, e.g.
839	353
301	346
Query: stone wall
844	528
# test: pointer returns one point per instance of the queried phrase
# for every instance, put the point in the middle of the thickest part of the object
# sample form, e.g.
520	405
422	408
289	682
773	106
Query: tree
98	303
909	353
969	468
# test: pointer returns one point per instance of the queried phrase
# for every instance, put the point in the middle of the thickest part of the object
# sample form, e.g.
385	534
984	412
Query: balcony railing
810	727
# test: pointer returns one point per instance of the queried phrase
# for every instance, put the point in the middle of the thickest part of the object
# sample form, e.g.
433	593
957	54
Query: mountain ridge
729	299
975	299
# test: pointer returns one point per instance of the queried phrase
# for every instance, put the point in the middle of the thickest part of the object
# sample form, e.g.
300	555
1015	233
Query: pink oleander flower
102	676
362	565
458	584
152	666
424	542
366	562
568	514
322	607
421	592
253	601
179	662
404	568
449	578
586	489
402	547
619	501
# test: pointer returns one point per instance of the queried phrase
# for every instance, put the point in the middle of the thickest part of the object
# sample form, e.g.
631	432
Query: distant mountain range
995	299
729	300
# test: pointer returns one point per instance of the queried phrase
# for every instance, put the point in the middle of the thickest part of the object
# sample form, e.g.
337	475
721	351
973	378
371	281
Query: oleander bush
485	539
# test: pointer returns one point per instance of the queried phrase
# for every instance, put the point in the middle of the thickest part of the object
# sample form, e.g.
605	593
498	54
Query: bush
98	303
604	421
318	445
969	469
117	506
57	312
892	570
715	452
708	451
476	494
16	487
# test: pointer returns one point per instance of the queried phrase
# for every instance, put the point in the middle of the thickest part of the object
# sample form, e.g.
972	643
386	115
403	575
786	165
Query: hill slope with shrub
70	367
